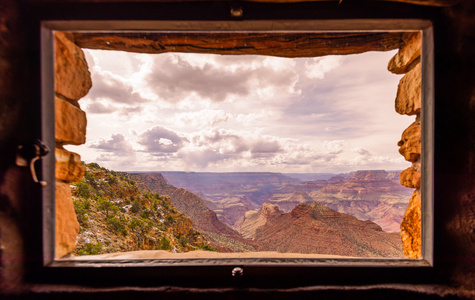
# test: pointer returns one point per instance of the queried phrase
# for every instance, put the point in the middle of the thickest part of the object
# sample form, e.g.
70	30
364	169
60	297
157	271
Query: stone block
410	143
67	226
410	178
70	123
407	56
408	98
72	76
68	165
411	228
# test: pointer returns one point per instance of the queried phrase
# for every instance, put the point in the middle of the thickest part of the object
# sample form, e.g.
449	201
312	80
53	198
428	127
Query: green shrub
107	206
145	214
94	165
169	220
136	207
208	248
91	249
164	244
83	190
81	209
117	225
183	241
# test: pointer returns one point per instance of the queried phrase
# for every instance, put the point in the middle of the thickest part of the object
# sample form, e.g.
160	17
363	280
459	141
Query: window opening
185	118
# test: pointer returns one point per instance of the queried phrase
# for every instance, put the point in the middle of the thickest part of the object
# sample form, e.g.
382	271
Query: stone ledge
70	123
68	165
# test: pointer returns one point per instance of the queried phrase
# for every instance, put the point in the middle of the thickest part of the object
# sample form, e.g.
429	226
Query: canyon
277	212
374	195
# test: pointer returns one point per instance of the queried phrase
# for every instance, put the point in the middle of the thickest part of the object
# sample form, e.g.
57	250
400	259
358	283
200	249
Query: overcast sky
216	113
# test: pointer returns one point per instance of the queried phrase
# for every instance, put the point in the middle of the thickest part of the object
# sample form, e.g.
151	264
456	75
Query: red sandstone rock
68	165
411	228
70	123
410	143
408	98
317	229
67	226
407	57
72	77
410	178
252	220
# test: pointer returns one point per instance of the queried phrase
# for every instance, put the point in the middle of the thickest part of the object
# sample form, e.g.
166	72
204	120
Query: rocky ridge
221	235
316	228
119	214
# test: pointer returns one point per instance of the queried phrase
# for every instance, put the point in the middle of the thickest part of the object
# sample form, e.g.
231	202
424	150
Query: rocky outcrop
408	102
317	229
222	236
288	202
374	195
254	219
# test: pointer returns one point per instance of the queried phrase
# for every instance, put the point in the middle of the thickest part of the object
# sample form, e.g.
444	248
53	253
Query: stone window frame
427	129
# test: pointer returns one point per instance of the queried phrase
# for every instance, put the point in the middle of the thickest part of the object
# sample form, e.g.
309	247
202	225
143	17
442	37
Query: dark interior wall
454	271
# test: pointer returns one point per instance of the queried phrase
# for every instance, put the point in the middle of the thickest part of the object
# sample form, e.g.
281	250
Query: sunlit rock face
408	102
411	228
68	165
410	143
67	226
72	76
70	123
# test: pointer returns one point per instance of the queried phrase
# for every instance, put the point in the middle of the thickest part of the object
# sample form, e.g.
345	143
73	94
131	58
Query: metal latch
27	155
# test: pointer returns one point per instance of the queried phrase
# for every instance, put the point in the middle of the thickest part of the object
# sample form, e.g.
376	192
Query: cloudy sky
217	113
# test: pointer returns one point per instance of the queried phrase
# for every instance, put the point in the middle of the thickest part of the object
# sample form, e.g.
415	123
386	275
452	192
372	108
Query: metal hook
27	155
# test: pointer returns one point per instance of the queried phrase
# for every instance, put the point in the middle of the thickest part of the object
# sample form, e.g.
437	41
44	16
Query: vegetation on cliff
117	213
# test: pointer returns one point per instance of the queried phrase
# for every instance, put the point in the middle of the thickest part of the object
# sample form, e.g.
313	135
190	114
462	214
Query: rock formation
222	236
117	214
368	195
254	219
316	228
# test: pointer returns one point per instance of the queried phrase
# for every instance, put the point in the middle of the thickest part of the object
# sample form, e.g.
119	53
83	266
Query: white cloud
242	113
317	67
158	140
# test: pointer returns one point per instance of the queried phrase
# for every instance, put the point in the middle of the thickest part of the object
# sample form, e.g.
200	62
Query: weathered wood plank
275	44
